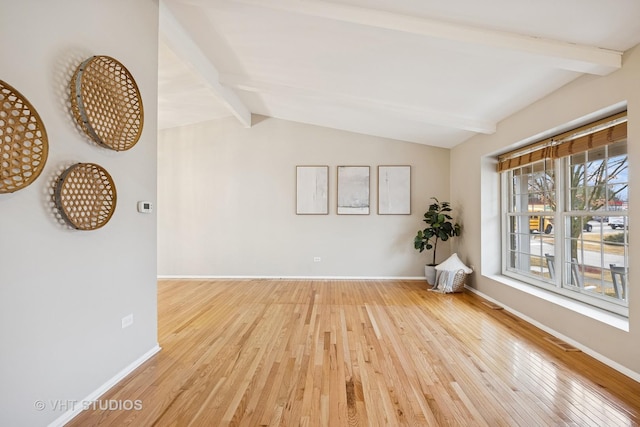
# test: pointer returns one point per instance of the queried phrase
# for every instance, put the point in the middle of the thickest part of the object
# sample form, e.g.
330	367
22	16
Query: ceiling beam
420	115
563	55
178	39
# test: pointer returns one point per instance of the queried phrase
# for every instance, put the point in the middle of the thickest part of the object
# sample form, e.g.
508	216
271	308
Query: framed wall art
353	190
312	190
394	190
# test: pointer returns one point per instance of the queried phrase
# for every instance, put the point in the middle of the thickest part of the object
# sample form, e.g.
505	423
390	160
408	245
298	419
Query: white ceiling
424	71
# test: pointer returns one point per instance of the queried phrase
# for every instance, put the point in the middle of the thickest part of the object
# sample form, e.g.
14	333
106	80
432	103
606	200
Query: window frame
560	283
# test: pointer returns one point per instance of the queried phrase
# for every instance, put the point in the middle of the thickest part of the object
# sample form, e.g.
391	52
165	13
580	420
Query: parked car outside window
616	222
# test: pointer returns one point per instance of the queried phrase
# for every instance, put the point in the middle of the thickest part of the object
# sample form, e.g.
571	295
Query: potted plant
440	226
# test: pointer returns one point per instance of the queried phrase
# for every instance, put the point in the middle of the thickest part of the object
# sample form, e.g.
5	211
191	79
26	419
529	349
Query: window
565	223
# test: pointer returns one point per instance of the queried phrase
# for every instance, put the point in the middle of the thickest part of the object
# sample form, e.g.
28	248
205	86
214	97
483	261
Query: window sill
611	319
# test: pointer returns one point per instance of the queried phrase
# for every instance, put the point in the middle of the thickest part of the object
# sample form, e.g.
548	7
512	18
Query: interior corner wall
227	202
63	292
478	191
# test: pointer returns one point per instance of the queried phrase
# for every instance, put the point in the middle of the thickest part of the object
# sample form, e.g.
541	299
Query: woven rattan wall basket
23	141
85	196
106	103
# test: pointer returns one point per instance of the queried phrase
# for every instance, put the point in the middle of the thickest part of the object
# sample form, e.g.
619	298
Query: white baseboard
197	277
69	415
611	363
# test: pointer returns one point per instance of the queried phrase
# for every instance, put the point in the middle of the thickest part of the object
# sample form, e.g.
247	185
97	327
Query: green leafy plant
440	226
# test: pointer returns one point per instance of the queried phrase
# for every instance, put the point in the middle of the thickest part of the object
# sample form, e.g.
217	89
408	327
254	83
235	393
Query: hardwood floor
366	353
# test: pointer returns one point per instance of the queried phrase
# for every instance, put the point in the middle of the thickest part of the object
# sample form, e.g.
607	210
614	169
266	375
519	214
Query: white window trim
614	320
584	301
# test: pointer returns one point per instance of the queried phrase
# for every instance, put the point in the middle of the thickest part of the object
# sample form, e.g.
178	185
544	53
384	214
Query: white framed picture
353	190
394	190
312	190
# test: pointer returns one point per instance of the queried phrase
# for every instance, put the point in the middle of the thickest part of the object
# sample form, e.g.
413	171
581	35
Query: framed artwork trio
353	190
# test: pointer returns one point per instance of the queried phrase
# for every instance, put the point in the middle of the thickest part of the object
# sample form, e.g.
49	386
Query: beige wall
63	293
477	190
226	202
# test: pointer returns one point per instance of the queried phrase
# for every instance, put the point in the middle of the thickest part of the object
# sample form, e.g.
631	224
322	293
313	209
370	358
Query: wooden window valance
593	135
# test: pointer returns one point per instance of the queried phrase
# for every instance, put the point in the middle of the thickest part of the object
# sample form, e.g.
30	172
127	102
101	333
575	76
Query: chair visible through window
619	277
551	260
576	275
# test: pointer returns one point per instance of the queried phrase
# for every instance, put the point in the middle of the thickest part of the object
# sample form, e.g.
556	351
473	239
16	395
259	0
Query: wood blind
606	131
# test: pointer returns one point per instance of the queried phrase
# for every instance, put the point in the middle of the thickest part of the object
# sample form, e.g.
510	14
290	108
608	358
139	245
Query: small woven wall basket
85	196
24	146
106	103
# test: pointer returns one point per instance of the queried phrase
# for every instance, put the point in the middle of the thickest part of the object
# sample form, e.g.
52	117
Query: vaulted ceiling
424	71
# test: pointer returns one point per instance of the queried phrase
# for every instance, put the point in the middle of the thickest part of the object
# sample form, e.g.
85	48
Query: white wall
63	292
477	191
226	202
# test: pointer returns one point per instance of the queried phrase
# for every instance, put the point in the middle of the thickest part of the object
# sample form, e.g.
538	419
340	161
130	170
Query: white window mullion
523	240
561	176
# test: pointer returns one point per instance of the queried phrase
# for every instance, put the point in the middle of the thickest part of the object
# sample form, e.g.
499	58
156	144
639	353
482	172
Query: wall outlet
127	321
317	259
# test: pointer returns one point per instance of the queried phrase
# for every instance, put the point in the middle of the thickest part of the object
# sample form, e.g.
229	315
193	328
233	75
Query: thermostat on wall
145	207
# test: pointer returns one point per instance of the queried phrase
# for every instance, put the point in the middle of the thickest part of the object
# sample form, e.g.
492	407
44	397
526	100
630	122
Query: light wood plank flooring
357	353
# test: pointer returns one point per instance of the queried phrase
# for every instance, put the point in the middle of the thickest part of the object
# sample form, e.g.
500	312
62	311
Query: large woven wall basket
24	146
106	103
85	195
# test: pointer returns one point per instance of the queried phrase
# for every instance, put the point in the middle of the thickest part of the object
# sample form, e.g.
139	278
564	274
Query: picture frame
312	190
394	190
353	190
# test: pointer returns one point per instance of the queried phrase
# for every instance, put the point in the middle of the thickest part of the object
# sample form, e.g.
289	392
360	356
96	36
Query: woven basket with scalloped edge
85	195
106	103
24	145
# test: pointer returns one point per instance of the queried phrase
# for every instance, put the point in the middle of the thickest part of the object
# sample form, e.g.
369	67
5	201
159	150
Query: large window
565	203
